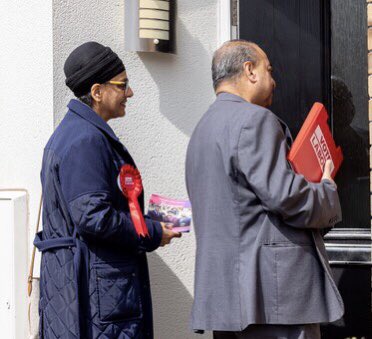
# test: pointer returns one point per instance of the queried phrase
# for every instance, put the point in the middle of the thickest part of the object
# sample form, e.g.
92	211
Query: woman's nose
129	92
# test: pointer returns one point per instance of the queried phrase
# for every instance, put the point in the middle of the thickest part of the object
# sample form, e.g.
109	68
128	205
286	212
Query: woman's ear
96	92
250	71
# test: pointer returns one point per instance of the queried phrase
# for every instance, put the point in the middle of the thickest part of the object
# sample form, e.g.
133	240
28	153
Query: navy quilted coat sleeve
87	186
94	280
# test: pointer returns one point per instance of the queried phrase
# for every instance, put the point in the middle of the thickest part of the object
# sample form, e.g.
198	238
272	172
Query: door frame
223	21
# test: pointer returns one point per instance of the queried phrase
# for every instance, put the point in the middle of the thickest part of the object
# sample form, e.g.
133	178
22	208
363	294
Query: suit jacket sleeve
86	181
262	158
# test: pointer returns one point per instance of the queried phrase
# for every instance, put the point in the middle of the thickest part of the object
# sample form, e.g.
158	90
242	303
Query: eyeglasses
123	85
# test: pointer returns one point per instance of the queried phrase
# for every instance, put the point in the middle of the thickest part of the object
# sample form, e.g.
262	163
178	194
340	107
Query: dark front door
318	49
292	34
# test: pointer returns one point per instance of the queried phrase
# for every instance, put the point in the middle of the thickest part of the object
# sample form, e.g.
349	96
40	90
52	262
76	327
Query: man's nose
274	84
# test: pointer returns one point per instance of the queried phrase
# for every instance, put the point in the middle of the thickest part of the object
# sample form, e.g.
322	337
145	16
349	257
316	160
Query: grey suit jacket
260	257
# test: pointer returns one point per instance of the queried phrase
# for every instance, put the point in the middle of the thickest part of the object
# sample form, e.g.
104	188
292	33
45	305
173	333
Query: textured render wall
26	96
171	92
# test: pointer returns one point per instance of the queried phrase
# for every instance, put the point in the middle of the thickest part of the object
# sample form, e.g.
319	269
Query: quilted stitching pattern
118	294
59	311
121	330
59	296
116	331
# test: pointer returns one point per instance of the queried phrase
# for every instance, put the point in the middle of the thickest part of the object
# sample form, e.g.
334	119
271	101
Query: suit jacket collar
224	96
85	112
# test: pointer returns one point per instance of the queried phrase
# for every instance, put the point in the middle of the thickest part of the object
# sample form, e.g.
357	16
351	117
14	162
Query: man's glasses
123	85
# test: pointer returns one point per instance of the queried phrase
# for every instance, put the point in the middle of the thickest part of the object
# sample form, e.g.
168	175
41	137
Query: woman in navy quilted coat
94	275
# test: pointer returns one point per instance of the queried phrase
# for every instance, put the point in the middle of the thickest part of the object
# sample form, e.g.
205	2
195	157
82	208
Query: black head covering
89	64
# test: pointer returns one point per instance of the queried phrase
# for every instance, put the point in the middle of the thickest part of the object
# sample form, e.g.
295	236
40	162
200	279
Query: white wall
171	92
26	95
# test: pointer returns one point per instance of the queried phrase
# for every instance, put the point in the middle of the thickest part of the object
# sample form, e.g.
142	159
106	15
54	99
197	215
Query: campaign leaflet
176	212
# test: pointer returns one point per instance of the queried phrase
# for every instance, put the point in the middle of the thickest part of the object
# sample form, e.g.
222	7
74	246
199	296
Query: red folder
314	145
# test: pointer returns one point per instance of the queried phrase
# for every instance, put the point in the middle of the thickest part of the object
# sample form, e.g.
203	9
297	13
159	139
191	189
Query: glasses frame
125	84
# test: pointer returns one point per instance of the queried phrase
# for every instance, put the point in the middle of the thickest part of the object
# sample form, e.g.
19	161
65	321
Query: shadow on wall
183	80
172	303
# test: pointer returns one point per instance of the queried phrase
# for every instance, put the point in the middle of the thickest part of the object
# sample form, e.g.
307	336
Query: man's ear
96	92
250	71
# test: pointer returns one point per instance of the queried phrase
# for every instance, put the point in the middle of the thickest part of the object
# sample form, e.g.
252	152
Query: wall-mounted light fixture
149	25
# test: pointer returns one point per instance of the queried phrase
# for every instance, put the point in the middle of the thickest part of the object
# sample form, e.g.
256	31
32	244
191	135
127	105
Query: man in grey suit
261	265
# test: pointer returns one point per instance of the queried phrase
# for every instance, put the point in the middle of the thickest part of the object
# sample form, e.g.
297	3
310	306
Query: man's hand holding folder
327	172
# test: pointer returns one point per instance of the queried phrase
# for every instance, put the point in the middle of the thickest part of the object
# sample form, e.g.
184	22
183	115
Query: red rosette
130	183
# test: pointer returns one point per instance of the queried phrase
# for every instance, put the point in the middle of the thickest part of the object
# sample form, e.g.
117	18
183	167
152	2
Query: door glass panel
350	108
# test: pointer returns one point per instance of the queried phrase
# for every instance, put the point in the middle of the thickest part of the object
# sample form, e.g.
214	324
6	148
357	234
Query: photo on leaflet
176	212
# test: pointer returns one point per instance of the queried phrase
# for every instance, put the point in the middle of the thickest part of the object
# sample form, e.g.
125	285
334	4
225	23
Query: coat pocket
295	280
118	291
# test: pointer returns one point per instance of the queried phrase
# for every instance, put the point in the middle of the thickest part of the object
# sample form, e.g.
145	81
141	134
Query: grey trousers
307	331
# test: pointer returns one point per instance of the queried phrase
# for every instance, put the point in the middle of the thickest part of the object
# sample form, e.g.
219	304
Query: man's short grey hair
87	99
228	60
